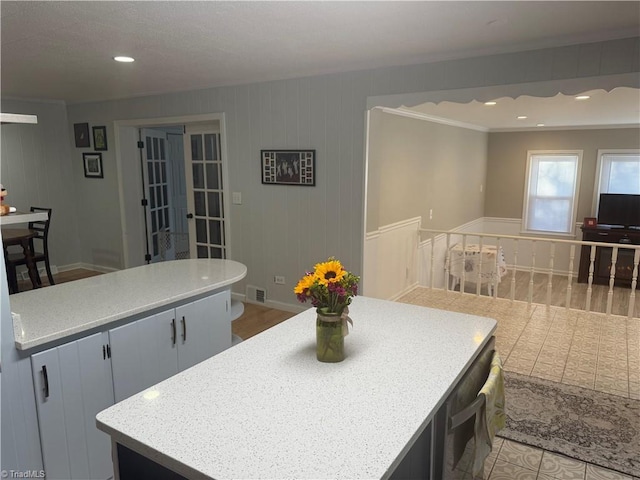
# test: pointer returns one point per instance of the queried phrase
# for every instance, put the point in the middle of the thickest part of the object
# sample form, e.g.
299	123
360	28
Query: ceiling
63	50
618	108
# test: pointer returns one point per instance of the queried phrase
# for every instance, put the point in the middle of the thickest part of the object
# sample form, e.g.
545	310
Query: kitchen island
78	347
267	408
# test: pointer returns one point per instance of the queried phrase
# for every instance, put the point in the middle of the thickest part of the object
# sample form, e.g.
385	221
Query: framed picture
590	222
289	167
81	132
92	165
100	138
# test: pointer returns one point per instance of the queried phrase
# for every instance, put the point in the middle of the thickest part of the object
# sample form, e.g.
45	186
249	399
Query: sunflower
304	284
330	271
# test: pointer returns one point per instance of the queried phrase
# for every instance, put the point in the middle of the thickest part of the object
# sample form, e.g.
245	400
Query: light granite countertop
53	313
266	408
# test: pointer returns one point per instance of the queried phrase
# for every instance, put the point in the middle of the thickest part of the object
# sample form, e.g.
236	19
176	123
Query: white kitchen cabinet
204	329
154	348
143	353
72	384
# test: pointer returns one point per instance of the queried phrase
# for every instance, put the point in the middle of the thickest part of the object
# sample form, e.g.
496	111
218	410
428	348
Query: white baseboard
404	292
287	307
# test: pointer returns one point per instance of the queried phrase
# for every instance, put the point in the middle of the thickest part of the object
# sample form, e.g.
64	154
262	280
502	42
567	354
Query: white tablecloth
477	266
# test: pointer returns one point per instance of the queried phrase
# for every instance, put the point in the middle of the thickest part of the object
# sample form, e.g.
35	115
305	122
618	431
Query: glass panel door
158	184
207	229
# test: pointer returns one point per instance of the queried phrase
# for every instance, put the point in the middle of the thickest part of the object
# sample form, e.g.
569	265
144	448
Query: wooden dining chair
40	254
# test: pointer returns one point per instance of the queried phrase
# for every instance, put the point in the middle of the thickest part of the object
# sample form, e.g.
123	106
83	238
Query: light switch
236	198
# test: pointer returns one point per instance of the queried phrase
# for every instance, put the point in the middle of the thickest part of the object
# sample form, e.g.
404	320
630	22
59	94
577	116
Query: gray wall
416	166
284	230
507	164
37	169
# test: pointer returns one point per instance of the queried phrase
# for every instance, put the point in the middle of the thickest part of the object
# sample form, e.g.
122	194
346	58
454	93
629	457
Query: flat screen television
620	210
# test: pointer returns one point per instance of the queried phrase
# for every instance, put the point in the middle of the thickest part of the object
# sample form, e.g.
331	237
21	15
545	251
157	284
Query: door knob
189	215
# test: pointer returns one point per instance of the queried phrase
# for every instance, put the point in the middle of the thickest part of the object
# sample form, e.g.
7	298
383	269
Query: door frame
132	219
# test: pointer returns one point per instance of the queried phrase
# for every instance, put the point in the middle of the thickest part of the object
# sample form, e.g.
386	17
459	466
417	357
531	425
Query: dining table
476	264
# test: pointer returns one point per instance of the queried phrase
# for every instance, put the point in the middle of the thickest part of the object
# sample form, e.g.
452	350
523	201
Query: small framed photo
81	133
590	222
100	138
92	165
289	167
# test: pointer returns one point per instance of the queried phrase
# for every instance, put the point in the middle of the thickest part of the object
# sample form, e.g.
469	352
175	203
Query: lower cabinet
72	384
152	349
75	381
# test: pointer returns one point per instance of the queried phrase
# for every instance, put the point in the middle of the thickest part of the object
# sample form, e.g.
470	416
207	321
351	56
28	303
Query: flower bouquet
330	289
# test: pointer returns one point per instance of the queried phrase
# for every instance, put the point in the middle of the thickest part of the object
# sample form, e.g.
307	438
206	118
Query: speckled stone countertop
56	312
266	408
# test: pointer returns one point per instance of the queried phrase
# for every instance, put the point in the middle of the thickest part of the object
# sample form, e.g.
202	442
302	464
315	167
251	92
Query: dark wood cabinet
602	261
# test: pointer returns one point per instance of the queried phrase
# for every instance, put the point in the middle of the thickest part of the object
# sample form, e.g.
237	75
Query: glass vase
329	338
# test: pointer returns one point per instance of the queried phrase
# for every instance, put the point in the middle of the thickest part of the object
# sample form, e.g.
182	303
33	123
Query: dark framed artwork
92	165
590	222
288	167
100	138
81	133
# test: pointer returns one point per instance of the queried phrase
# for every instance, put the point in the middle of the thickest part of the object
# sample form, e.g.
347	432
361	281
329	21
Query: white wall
36	168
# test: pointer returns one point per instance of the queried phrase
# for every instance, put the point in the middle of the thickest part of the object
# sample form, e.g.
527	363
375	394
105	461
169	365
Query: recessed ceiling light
124	59
540	125
583	97
490	103
521	117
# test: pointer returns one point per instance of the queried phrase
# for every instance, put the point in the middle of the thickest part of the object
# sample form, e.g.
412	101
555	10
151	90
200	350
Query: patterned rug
583	424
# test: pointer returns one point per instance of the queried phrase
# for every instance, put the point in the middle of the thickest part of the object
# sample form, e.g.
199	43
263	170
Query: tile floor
578	348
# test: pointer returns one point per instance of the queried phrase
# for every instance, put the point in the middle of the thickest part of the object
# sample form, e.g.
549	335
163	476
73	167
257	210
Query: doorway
162	184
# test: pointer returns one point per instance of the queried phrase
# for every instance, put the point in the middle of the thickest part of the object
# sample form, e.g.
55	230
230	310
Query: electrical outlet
278	280
431	214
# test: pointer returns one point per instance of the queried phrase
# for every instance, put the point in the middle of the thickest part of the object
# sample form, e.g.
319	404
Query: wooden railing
524	254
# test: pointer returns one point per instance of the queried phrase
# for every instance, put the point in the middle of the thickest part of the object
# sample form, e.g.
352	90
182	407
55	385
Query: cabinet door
143	353
51	420
85	369
204	329
73	383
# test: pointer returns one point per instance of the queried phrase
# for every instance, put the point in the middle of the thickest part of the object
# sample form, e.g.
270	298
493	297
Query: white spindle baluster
572	254
447	263
612	278
592	258
634	283
479	276
533	266
433	256
464	262
552	255
497	267
515	263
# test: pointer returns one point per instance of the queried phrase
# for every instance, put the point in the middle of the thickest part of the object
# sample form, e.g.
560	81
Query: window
551	191
618	172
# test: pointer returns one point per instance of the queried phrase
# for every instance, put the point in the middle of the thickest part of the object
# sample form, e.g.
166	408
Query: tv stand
602	261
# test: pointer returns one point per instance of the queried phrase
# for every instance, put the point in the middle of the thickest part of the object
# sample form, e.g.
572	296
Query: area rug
583	424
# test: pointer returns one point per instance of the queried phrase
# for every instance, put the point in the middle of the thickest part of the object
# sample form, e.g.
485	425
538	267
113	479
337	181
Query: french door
157	179
205	201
